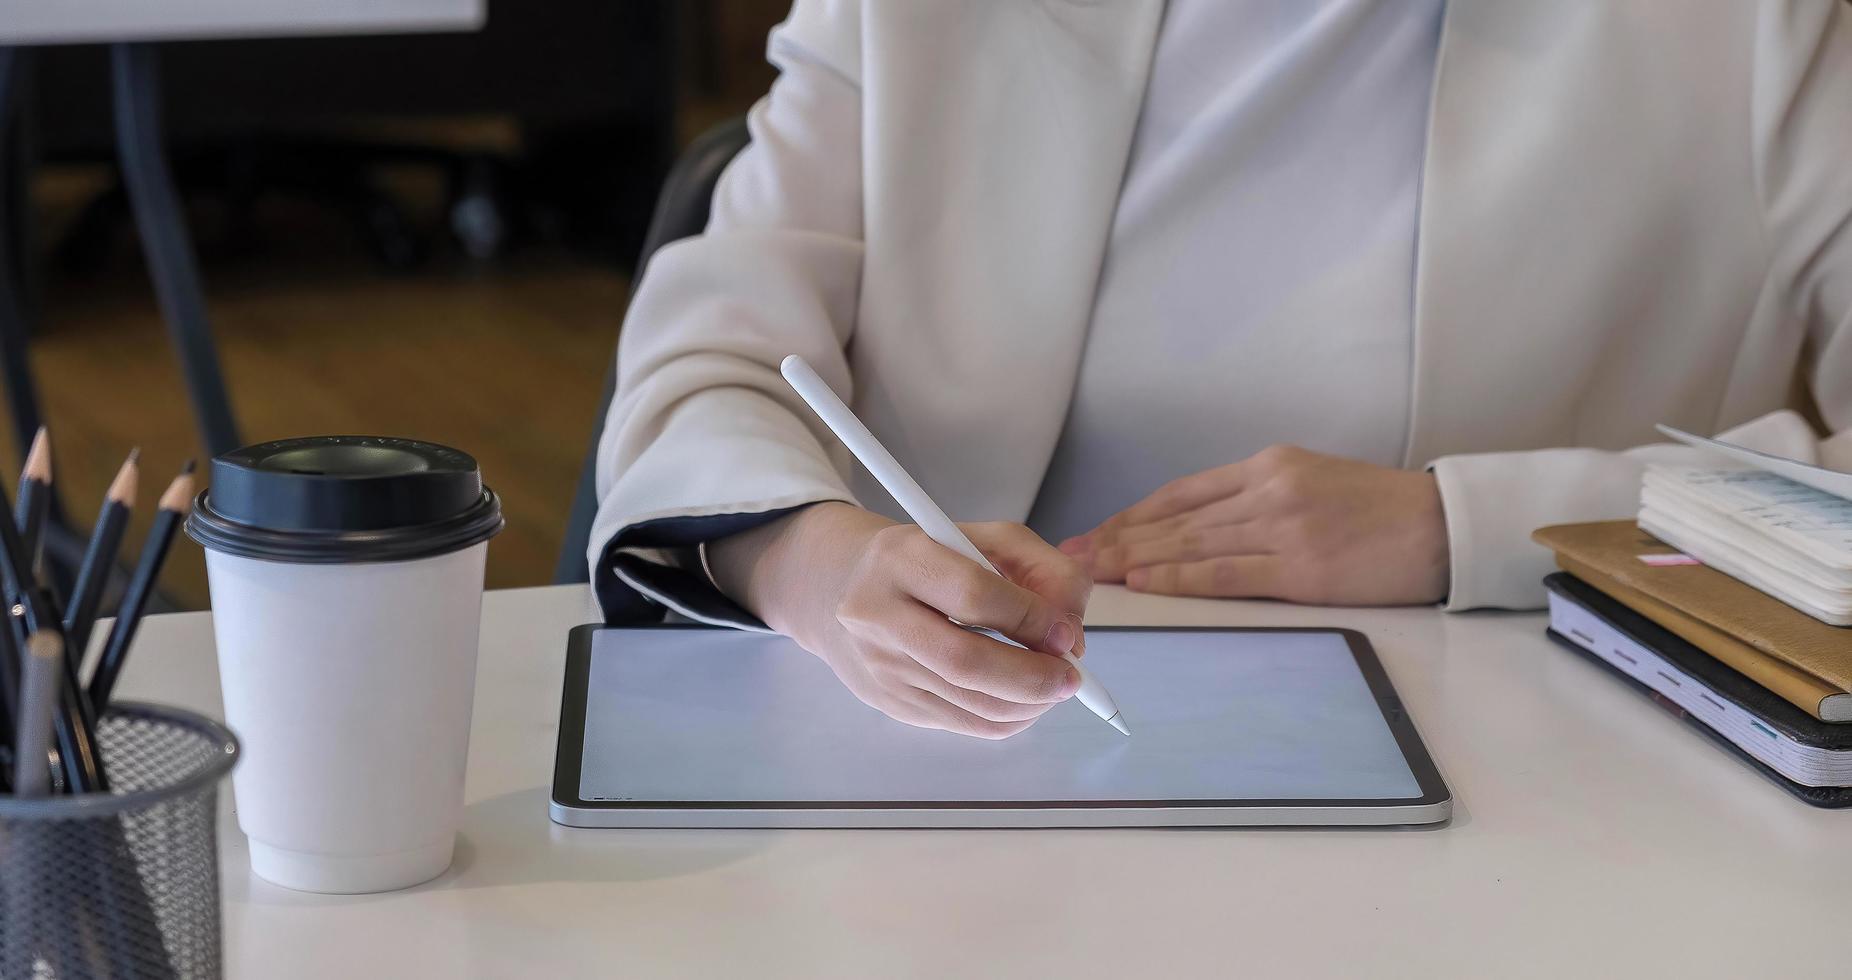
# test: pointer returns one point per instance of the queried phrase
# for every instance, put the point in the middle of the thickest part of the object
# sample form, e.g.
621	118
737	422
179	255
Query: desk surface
1592	835
69	21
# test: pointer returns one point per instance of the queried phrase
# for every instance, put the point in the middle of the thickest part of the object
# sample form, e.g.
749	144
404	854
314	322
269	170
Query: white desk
1593	836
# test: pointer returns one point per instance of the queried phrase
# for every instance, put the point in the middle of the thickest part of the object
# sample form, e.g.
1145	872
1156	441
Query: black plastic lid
338	499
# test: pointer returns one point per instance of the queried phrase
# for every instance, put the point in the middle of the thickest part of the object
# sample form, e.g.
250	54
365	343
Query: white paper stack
1791	539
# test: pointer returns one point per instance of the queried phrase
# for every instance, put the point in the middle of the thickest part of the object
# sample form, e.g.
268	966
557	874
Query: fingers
897	642
1248	576
1181	495
896	685
1244	506
919	668
970	660
1027	560
976	703
971	594
1225	495
1185	545
926	709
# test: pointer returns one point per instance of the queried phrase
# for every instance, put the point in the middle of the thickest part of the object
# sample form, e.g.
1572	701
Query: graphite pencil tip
122	488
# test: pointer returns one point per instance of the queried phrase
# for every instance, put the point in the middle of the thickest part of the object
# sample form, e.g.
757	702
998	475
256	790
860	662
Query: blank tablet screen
722	717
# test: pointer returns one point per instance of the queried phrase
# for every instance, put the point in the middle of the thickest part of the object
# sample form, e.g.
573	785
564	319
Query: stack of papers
1754	519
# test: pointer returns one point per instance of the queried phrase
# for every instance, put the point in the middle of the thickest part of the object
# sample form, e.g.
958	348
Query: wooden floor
504	361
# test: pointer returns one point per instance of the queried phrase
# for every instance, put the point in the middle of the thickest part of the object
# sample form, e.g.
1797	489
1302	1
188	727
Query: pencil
175	503
75	728
31	777
34	497
100	559
72	723
21	586
38	701
17	574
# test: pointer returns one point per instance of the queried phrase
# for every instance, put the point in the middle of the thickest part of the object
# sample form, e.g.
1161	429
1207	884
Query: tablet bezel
1433	805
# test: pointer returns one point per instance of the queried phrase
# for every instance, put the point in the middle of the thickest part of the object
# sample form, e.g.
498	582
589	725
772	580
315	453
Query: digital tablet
691	726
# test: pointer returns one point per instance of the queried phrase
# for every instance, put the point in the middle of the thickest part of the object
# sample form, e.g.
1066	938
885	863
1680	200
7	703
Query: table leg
168	250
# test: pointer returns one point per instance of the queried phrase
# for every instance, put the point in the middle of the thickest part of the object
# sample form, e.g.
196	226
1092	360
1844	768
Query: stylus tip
1118	721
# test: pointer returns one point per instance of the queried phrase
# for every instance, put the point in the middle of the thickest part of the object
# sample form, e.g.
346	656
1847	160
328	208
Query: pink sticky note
1660	561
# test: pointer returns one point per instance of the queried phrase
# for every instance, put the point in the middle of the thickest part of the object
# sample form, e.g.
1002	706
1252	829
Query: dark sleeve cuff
632	589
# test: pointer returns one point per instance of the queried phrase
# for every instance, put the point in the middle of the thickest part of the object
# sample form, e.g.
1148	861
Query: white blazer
1632	211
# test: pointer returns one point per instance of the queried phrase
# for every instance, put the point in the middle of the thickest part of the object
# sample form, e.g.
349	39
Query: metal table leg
63	545
22	394
168	250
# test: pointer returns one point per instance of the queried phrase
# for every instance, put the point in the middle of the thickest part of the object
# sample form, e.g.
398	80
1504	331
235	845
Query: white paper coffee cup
346	577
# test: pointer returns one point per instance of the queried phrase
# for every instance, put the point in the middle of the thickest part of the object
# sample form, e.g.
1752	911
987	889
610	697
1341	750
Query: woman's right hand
875	600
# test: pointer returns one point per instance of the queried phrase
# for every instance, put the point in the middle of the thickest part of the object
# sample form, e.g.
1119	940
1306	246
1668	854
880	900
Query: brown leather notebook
1793	685
1714	612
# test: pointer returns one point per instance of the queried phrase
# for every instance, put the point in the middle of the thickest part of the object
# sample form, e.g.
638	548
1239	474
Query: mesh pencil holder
123	884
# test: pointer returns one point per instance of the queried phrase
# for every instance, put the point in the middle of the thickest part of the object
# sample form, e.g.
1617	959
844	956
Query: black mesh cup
122	884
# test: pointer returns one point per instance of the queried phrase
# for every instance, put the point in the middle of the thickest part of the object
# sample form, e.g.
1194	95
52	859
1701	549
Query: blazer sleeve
703	437
1802	131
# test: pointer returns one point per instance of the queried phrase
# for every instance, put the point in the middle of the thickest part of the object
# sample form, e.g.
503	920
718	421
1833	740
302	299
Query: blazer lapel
1417	447
1029	134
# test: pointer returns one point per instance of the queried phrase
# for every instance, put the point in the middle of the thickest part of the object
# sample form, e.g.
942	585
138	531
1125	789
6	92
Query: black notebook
1732	711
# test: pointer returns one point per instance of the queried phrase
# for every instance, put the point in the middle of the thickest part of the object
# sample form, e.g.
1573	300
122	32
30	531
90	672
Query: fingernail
1060	637
1075	547
1136	579
1073	684
1080	641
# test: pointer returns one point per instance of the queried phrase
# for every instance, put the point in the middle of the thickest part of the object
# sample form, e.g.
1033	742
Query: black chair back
681	212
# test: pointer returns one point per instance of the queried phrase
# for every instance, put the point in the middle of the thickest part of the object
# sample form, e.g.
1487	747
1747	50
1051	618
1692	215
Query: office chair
681	212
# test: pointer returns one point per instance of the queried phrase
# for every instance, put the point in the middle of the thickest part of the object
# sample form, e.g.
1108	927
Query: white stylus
913	499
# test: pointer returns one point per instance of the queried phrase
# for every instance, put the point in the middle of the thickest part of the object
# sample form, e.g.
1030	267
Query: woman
1448	261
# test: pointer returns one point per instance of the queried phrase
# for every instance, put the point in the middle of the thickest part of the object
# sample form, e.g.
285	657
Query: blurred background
427	235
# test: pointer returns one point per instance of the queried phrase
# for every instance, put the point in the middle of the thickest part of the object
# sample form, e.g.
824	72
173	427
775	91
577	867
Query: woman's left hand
1285	523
